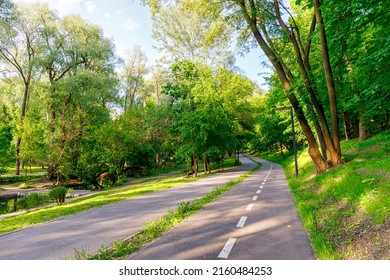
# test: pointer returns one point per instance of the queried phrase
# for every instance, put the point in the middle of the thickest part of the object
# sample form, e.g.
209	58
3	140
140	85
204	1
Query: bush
32	200
24	186
58	194
14	179
120	182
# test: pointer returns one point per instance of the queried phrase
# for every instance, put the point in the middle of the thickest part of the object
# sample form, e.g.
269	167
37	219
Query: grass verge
346	210
97	200
154	229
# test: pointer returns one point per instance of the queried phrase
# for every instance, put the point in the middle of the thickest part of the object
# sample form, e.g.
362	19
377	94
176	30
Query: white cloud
66	7
61	6
131	25
90	6
107	15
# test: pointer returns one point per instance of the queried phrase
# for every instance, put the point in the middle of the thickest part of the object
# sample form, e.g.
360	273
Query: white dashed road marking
228	247
230	243
249	207
242	221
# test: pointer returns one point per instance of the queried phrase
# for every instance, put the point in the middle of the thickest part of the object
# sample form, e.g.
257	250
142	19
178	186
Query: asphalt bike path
256	220
90	230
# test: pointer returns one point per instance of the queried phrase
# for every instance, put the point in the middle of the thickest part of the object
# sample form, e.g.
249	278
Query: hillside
346	210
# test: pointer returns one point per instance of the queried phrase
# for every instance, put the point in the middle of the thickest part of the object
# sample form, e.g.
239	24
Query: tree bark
346	133
320	163
206	166
362	127
329	82
22	116
321	140
194	165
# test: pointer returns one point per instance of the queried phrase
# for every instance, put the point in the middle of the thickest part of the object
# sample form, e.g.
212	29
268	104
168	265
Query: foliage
210	109
64	105
191	30
32	200
133	78
24	186
13	179
362	65
58	194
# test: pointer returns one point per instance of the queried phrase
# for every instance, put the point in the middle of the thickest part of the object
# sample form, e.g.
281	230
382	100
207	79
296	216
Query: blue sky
128	23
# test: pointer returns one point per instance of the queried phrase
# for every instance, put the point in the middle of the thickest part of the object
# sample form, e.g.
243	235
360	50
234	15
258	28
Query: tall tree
190	30
133	77
329	82
20	44
266	23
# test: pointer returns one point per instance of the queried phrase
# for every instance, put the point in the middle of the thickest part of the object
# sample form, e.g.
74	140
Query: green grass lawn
97	200
346	210
28	170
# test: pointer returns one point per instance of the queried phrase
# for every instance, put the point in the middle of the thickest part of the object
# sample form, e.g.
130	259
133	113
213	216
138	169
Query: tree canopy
71	104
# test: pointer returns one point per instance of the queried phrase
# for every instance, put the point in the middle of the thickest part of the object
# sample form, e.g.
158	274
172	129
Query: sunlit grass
28	170
82	204
333	204
97	200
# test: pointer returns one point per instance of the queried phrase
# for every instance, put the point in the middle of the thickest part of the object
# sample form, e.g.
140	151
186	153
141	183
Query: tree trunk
346	133
321	140
22	116
281	149
194	165
329	83
206	166
362	127
320	164
304	67
285	78
17	163
320	135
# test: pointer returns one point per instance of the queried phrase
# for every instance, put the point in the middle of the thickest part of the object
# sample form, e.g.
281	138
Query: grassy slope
346	210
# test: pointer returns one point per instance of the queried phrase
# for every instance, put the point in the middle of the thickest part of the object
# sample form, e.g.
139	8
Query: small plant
70	192
184	208
24	186
120	182
58	194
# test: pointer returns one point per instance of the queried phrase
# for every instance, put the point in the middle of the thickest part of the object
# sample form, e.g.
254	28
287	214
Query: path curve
256	220
94	228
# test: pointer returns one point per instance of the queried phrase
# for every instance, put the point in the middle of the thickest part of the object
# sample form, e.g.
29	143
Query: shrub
120	182
32	200
58	194
24	186
14	179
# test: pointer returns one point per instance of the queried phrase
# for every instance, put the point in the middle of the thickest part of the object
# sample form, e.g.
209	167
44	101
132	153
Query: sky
127	23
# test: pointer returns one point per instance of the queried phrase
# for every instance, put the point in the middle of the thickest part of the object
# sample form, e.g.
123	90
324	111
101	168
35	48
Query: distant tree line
68	102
